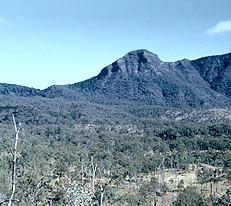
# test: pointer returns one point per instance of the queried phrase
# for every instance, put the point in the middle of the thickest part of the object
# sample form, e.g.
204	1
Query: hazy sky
46	42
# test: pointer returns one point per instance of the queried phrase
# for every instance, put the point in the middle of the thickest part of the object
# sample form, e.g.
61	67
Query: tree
190	197
14	160
149	190
92	186
204	176
224	200
180	186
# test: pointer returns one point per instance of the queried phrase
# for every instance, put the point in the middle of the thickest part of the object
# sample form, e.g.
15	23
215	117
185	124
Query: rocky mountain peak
142	55
133	63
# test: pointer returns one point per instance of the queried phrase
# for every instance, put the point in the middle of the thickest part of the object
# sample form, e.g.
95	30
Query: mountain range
142	78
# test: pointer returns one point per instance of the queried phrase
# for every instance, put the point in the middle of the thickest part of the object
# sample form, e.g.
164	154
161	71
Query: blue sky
46	42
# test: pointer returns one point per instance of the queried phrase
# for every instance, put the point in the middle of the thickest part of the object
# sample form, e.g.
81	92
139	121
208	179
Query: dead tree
40	186
103	186
14	161
94	168
82	175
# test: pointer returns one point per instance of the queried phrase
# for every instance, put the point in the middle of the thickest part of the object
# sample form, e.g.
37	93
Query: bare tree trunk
94	168
101	195
50	202
34	195
211	189
162	179
201	189
155	200
82	174
14	163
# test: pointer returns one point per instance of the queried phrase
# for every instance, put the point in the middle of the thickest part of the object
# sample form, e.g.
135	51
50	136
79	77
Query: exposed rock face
216	70
141	78
132	64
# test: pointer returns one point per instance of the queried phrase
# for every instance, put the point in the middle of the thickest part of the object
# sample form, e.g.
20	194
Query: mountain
141	78
216	70
17	90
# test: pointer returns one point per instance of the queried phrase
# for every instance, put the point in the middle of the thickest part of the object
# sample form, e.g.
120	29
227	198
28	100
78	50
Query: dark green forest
71	154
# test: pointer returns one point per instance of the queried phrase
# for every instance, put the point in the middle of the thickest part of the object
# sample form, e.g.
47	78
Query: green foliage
190	197
180	186
224	200
58	137
79	195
